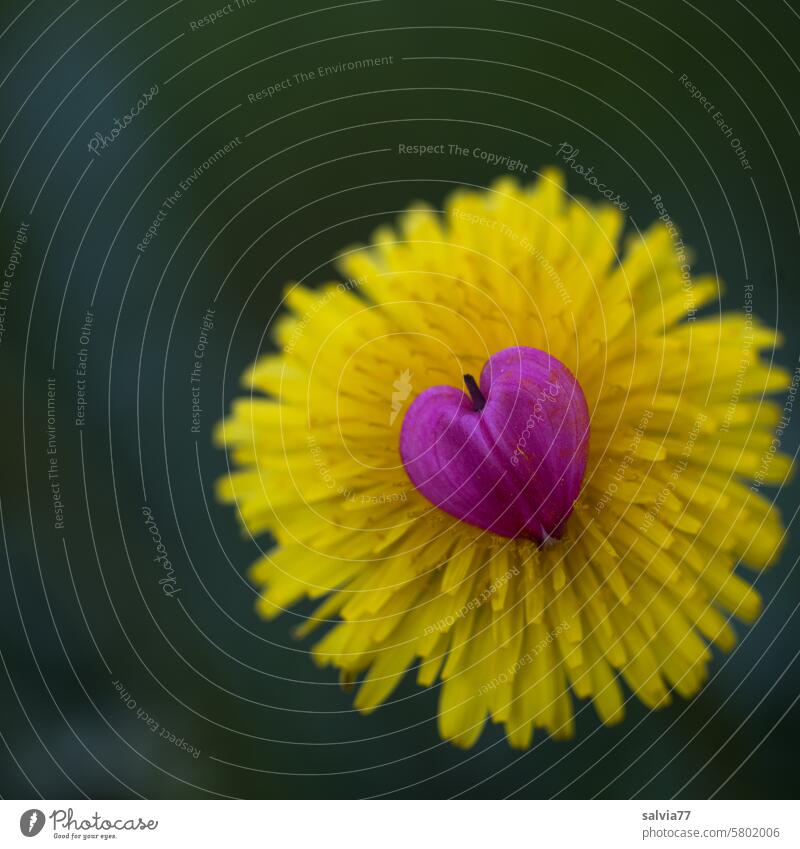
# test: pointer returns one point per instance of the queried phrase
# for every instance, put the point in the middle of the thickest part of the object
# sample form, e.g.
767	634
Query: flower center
511	456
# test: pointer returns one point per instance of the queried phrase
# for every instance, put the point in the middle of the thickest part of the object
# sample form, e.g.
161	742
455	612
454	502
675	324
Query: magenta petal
514	467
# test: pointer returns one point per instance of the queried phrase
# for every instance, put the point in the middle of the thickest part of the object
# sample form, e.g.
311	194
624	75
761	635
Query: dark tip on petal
478	401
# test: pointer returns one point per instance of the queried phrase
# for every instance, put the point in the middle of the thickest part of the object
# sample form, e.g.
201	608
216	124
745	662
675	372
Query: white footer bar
401	824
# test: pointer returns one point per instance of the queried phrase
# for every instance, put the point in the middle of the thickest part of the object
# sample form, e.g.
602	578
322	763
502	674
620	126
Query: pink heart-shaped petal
510	458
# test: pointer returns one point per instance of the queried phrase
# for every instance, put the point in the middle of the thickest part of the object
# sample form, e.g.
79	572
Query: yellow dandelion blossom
517	563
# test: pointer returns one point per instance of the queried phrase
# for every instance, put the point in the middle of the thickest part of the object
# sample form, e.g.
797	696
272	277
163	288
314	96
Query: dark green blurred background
82	608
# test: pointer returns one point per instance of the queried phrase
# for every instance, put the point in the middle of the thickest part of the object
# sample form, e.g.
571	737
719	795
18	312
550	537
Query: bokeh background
316	169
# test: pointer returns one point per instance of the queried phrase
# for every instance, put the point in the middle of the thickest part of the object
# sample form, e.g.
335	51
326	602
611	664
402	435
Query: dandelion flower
514	458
